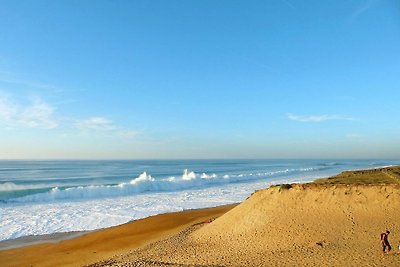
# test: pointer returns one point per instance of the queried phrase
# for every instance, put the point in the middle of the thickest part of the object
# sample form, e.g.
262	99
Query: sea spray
146	183
43	197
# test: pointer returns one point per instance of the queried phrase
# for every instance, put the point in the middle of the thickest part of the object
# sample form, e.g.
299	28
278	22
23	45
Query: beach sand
106	243
331	222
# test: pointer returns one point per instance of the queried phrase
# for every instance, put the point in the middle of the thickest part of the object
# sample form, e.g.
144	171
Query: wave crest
146	183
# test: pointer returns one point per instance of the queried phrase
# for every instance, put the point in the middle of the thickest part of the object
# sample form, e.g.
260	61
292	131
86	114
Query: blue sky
200	79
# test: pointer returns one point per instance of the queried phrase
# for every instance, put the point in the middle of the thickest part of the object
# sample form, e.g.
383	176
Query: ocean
44	197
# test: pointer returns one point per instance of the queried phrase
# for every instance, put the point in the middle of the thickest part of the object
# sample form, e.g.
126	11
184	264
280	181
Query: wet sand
106	243
40	239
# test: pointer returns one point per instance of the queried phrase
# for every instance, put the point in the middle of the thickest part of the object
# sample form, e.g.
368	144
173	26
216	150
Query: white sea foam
187	176
96	206
9	186
146	183
22	219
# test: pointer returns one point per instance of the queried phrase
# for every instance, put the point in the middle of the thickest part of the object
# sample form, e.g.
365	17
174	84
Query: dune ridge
325	224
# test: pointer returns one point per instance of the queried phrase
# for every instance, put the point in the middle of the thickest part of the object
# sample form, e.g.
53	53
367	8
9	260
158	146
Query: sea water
43	197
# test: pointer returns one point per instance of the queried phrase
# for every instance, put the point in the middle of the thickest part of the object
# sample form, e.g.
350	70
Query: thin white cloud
7	109
362	9
15	79
355	137
37	114
95	124
103	125
129	134
317	118
286	2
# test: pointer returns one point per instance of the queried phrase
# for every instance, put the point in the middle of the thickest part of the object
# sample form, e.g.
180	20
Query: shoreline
105	243
82	248
61	236
40	239
53	238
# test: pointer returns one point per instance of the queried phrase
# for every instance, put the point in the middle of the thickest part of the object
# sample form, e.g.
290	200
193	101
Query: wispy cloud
7	109
103	125
36	114
355	137
129	134
95	124
317	118
39	115
362	8
14	79
286	2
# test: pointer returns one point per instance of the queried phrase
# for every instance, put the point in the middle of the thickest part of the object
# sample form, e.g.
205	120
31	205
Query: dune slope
317	224
298	225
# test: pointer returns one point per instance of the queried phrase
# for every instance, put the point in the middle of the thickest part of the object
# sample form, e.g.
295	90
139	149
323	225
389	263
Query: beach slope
103	244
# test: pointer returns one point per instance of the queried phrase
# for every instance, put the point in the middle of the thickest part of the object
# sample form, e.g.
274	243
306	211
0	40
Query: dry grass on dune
389	175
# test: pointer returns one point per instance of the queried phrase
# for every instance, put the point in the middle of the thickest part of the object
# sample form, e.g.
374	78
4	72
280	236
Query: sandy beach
199	133
331	222
106	243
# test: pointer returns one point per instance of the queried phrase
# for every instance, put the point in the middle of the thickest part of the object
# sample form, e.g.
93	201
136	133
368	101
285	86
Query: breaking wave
146	183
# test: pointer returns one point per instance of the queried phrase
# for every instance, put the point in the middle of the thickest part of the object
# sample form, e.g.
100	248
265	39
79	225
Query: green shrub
282	187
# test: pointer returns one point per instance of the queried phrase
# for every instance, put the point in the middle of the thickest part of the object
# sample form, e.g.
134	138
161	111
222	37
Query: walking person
385	242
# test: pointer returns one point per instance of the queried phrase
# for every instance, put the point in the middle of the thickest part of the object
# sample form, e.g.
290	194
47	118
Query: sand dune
306	225
318	225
